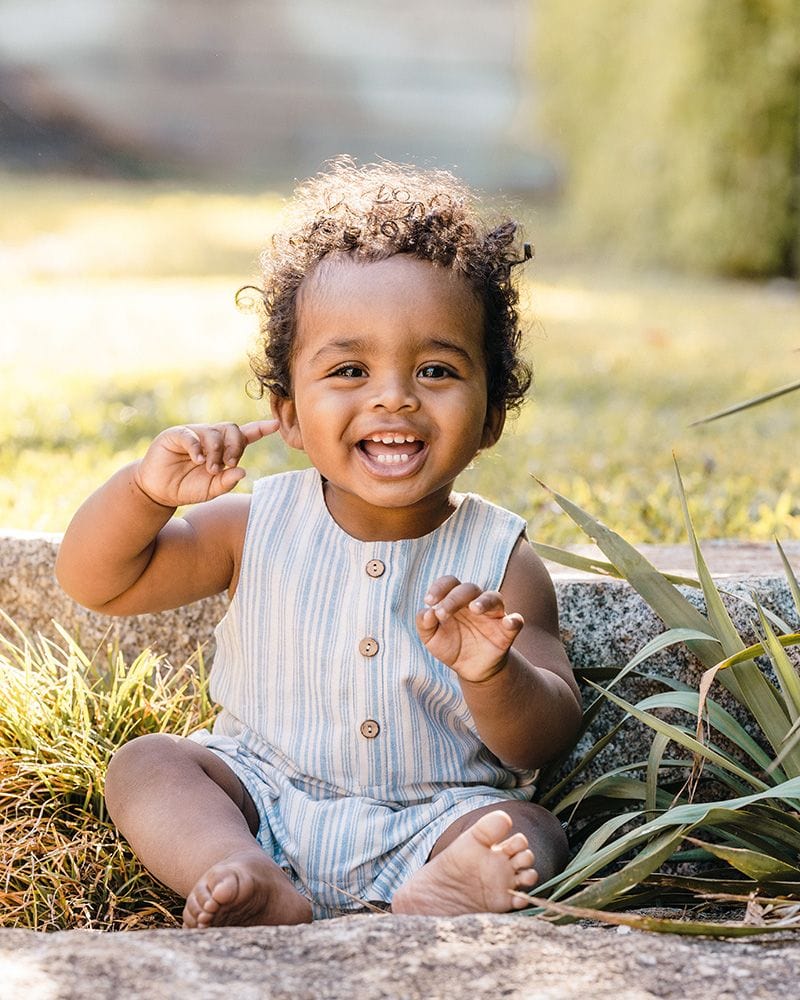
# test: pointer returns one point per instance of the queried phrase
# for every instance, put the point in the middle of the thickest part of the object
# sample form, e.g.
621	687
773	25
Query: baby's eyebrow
343	345
437	343
358	345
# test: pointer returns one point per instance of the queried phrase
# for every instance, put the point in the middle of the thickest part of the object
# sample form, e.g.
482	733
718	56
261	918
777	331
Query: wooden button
375	568
370	729
368	646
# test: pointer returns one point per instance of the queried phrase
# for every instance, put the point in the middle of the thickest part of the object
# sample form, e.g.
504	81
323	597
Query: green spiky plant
639	817
62	864
748	404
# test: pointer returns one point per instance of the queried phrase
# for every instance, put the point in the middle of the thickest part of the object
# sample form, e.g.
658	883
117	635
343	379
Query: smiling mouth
391	449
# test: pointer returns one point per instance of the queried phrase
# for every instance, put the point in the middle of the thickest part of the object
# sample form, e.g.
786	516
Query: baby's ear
493	427
284	410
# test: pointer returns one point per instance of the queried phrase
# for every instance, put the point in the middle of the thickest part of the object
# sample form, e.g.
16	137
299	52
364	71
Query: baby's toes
193	913
223	892
522	860
205	918
527	878
513	845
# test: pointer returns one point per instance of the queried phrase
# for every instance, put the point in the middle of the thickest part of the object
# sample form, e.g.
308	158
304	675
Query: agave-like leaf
667	925
663	641
652	856
600	837
768	710
661	835
778	824
671	637
791	579
572	560
613	784
746	404
776	620
747	684
598	567
790	744
660	642
657	750
667	602
756	865
723	626
747	828
708	886
719	718
784	669
687	741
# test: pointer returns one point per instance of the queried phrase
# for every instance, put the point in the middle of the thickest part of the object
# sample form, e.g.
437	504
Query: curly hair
375	211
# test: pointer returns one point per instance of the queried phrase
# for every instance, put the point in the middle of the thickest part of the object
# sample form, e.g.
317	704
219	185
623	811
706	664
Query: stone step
394	958
600	617
604	623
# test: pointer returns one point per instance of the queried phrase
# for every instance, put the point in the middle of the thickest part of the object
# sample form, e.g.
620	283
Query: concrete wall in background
266	91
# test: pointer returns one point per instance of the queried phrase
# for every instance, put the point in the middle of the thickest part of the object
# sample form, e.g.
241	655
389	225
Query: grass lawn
118	320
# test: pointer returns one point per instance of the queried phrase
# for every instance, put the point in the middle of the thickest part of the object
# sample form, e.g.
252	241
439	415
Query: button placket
369	647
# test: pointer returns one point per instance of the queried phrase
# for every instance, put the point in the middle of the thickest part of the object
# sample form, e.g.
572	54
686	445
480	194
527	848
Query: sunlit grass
119	319
65	711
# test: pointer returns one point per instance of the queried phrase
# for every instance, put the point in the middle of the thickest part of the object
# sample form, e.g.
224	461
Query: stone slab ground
396	958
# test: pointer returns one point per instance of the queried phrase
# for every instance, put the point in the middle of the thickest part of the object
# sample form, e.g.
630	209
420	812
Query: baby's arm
124	554
523	697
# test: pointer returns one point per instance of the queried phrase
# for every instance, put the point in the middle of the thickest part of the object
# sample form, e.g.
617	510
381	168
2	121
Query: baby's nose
396	392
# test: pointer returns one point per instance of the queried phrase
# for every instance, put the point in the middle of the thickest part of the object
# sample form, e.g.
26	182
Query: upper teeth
393	438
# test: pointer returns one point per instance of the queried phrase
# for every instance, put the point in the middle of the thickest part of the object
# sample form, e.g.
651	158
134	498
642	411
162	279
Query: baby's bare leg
483	858
192	824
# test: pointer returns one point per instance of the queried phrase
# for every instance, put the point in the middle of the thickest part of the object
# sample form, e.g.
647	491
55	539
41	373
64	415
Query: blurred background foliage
679	127
650	149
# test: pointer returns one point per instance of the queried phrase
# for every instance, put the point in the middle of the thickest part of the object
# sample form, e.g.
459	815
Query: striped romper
353	741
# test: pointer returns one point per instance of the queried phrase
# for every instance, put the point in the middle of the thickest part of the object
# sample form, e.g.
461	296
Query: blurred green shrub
680	127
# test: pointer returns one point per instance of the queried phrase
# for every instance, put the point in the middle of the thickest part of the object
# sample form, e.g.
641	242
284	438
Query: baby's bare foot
477	873
244	889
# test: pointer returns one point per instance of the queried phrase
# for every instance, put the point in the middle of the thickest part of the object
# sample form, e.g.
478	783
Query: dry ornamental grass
62	864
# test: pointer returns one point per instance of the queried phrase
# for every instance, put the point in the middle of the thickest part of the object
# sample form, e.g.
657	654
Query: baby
389	671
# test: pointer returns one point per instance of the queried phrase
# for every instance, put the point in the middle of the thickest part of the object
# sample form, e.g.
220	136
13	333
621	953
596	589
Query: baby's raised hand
197	462
467	628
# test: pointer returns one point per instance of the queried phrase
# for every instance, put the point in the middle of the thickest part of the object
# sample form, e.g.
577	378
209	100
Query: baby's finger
437	590
186	438
212	442
233	444
513	622
227	479
490	603
238	438
427	623
459	597
257	429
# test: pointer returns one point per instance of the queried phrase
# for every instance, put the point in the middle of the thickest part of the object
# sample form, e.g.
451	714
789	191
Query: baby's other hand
467	628
197	462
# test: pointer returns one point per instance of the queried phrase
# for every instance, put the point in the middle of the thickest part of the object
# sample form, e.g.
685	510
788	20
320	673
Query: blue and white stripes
357	755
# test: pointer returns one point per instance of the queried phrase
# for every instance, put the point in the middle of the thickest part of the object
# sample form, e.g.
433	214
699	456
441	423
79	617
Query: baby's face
389	389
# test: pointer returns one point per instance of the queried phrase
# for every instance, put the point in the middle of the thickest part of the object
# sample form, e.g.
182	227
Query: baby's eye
348	371
434	371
